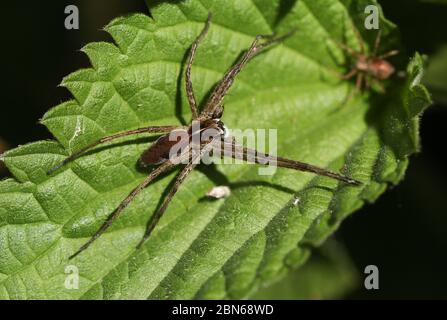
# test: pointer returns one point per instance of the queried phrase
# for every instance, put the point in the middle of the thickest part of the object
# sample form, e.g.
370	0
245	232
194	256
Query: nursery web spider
368	69
159	153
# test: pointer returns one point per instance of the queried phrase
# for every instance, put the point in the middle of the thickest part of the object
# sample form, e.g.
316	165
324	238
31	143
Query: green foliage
202	249
328	274
436	76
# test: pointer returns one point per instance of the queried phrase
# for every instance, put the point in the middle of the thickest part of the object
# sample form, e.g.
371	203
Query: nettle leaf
202	249
328	274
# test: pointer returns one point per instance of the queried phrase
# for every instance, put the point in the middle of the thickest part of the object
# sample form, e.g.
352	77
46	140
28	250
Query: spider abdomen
161	149
381	69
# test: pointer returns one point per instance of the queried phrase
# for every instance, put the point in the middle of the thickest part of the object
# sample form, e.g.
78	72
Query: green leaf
202	249
329	274
436	76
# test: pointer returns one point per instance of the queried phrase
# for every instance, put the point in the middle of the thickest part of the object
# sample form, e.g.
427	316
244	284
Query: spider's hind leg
194	160
115	214
77	154
229	148
159	213
358	88
389	54
192	53
352	73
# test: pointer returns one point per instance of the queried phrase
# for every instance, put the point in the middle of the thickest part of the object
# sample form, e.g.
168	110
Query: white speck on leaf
79	129
219	192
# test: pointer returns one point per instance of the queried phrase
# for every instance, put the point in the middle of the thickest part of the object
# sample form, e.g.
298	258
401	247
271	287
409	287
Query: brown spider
368	68
198	142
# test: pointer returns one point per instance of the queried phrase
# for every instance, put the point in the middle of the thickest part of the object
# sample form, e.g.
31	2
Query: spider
368	68
198	141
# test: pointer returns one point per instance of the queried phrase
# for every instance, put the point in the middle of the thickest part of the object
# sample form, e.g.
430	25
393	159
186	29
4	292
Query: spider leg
352	52
77	154
359	82
377	43
156	217
350	74
194	161
189	89
347	76
357	88
389	54
250	155
360	40
367	82
225	84
115	214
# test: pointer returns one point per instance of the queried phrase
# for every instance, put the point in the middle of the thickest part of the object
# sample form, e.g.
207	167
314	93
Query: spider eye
218	112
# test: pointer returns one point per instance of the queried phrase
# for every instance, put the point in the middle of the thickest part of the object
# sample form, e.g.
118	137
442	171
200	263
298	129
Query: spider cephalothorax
189	144
171	146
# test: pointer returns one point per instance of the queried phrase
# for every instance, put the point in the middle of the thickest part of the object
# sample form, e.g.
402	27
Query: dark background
403	233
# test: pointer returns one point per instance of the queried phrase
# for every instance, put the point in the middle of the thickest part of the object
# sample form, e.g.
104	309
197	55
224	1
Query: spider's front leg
377	47
219	92
349	50
349	75
192	53
377	43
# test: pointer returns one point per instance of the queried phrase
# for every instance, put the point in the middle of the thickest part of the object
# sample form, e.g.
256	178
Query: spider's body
189	144
368	69
378	68
198	133
159	151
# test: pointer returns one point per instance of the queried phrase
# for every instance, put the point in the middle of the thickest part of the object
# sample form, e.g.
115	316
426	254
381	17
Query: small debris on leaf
219	192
